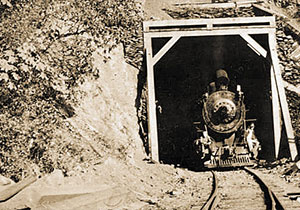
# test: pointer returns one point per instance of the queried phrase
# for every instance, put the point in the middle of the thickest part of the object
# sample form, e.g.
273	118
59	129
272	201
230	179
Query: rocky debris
281	185
287	44
153	10
291	7
292	22
294	196
134	50
117	185
293	100
194	12
283	168
295	168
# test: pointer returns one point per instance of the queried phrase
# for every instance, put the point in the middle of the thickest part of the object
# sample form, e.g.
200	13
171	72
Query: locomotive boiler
225	138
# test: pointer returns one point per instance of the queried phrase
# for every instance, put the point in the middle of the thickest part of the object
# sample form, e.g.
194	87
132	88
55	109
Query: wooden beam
257	47
152	121
282	97
212	32
165	49
207	27
245	3
194	22
213	5
276	113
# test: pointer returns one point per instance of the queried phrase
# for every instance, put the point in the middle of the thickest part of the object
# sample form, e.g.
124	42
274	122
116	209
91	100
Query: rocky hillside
67	96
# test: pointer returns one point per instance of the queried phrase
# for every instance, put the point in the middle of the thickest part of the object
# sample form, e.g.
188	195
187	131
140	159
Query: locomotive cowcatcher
225	138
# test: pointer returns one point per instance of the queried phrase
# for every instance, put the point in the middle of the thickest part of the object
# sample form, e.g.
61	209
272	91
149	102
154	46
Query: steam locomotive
225	138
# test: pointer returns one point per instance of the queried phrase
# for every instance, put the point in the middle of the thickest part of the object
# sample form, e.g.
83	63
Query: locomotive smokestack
222	80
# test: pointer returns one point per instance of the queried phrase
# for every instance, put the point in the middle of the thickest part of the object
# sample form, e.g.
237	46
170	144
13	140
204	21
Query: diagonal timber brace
254	45
278	94
165	49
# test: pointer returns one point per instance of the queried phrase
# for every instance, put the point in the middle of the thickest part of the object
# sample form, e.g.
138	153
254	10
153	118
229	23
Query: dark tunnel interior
183	74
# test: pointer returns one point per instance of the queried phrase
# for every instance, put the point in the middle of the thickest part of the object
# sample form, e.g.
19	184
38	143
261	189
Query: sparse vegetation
46	50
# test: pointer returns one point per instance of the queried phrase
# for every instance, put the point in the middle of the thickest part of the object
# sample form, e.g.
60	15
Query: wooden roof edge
209	21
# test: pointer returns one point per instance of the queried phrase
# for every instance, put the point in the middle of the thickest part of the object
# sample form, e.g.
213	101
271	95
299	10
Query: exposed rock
5	181
106	112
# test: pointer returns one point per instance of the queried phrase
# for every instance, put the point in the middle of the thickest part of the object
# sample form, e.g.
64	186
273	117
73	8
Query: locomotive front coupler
226	153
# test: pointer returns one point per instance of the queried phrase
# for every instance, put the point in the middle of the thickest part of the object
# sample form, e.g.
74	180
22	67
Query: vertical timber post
152	122
276	113
256	47
282	96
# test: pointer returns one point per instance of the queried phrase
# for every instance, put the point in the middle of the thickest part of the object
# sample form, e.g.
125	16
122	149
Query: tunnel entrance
182	76
182	61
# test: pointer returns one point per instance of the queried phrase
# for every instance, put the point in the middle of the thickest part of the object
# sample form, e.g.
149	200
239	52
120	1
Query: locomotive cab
223	139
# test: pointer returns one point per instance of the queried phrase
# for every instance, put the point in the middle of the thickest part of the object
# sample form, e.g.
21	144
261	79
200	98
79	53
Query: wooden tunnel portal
197	42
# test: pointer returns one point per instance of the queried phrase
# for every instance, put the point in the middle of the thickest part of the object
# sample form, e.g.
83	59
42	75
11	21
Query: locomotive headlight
224	110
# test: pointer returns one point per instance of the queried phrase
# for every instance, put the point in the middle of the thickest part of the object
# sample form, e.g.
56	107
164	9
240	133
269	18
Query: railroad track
242	189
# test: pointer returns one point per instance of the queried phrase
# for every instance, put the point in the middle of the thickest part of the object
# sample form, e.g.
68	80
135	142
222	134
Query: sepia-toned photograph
149	104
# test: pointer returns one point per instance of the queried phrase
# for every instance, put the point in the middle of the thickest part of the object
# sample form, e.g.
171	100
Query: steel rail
274	202
213	199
